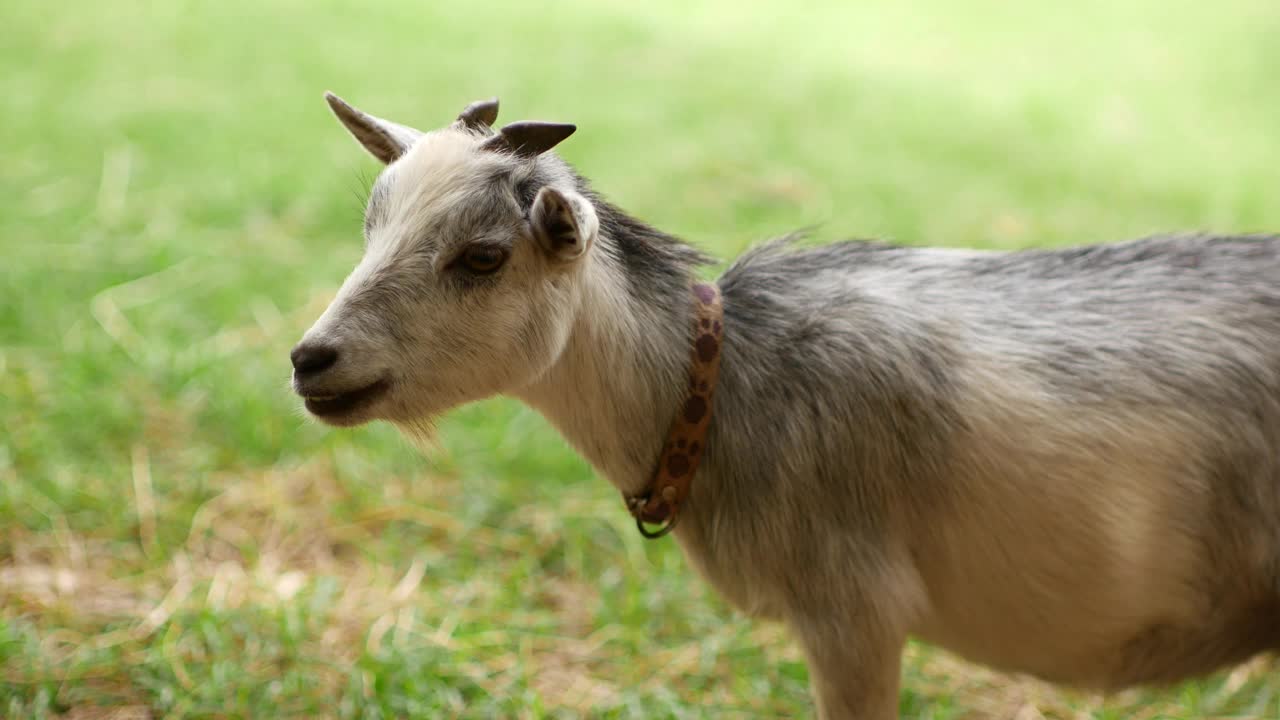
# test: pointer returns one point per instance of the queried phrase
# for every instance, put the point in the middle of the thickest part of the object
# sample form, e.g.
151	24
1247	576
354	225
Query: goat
1062	462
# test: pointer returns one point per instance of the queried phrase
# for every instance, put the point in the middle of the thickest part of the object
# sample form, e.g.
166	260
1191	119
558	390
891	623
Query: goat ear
383	139
479	115
528	138
564	223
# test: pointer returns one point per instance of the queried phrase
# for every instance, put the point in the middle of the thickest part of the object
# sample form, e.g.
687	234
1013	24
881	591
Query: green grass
177	205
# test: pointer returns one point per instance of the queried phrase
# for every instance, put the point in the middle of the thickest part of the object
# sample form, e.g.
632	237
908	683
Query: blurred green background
177	205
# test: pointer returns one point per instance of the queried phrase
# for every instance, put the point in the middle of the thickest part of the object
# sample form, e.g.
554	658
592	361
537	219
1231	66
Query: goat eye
483	260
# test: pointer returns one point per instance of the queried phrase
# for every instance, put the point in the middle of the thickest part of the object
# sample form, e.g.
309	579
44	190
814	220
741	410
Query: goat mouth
327	407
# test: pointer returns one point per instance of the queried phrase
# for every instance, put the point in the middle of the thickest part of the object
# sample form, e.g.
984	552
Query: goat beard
421	434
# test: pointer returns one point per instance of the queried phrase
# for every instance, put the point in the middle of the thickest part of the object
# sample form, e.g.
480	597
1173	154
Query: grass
177	206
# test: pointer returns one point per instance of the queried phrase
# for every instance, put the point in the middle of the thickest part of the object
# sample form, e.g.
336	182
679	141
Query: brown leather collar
660	502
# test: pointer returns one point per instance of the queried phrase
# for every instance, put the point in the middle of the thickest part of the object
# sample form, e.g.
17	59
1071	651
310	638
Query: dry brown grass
264	541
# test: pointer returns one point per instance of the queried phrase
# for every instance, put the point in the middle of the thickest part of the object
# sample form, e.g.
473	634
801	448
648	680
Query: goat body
1056	462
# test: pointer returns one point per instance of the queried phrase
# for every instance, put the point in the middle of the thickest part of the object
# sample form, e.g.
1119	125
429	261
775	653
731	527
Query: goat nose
312	358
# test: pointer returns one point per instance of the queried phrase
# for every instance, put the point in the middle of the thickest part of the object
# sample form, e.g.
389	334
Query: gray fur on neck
624	370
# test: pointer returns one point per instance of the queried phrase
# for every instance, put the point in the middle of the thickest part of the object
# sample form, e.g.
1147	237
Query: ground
177	540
